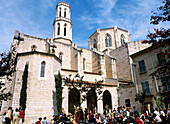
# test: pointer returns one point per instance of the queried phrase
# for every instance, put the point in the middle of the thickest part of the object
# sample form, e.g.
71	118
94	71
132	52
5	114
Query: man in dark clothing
86	113
135	112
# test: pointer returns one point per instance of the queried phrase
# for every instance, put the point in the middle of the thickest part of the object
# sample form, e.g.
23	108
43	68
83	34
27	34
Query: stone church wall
40	90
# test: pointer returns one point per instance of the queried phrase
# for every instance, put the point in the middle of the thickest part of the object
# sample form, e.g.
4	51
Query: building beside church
107	59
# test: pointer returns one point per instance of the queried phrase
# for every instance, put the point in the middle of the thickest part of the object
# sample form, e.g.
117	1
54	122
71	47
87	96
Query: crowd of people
13	117
90	116
120	116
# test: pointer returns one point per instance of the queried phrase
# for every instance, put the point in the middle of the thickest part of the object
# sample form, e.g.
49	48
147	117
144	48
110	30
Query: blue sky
35	17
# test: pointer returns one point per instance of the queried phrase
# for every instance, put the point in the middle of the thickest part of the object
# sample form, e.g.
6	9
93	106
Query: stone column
65	100
84	103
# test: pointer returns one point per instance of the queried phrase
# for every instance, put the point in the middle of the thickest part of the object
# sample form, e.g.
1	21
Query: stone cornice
37	52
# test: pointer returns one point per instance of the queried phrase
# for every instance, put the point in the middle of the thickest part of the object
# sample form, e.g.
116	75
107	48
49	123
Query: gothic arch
108	40
42	73
91	99
73	99
122	38
107	99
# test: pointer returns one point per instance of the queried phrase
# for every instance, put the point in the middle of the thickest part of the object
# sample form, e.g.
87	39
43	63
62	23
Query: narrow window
33	48
60	55
145	87
166	83
84	63
122	38
127	102
161	59
65	29
58	32
65	12
60	13
142	67
108	40
95	44
42	69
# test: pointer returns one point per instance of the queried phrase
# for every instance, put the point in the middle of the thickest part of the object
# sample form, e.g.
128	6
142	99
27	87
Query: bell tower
62	26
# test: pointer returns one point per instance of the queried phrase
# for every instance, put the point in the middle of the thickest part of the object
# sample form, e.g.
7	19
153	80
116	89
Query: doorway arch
91	99
74	99
107	99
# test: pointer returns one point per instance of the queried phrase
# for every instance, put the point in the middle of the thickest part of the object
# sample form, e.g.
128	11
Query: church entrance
91	100
74	99
107	99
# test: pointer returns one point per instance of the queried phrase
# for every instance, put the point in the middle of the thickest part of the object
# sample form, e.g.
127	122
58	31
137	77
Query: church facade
107	59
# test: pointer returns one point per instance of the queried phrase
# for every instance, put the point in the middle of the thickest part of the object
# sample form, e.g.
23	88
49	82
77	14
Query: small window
84	63
108	41
122	37
65	29
65	12
60	13
60	55
145	87
58	32
33	48
166	83
95	44
42	69
161	59
142	67
127	102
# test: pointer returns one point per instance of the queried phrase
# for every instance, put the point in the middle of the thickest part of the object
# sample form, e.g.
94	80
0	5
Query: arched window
65	25
122	38
65	12
84	63
42	74
108	40
33	48
95	44
60	55
60	13
58	32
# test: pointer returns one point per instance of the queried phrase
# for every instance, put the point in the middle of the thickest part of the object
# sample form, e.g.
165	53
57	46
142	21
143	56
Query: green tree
7	68
159	101
23	93
161	37
59	90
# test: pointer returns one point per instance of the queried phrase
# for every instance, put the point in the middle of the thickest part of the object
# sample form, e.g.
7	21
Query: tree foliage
161	38
84	86
159	101
7	67
23	93
59	90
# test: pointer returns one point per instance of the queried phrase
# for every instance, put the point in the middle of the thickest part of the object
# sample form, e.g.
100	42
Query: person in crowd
8	116
85	113
138	120
92	119
16	116
162	116
157	119
101	117
131	119
157	112
143	116
44	120
150	118
21	116
39	121
169	115
3	118
81	115
135	112
118	115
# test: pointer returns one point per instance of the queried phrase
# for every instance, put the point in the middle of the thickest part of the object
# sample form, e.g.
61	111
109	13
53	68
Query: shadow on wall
54	103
